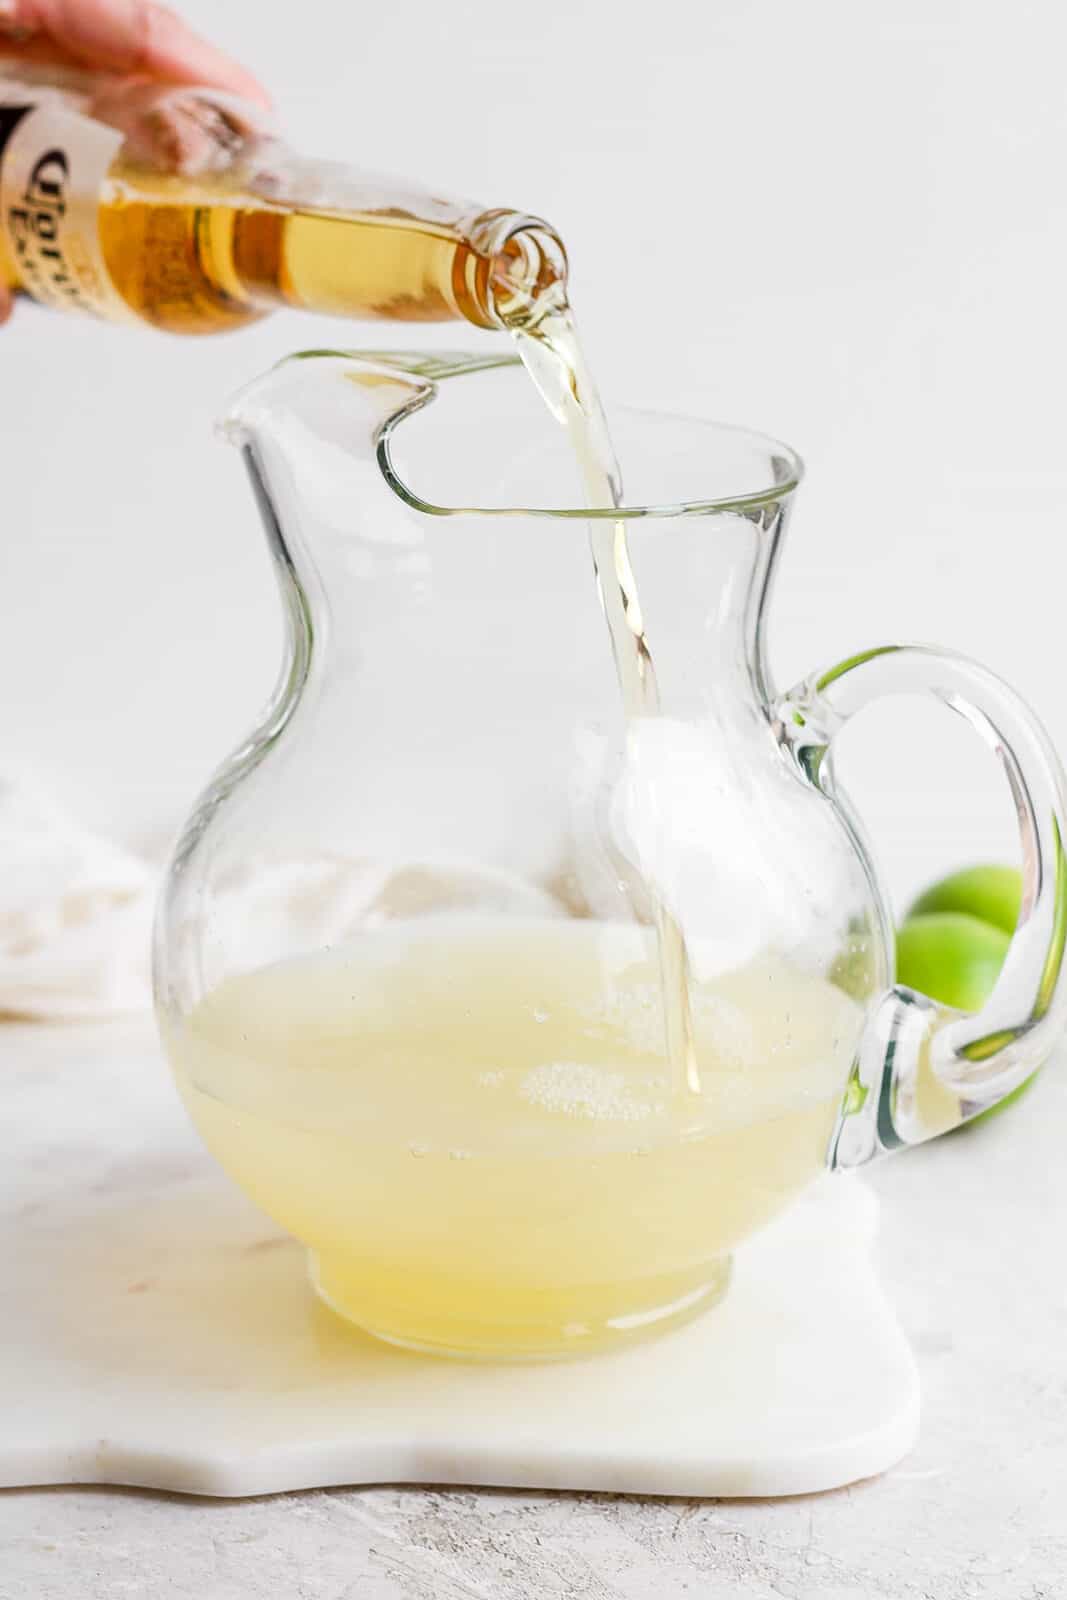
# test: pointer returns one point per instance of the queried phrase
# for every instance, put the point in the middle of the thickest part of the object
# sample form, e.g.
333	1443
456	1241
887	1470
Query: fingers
5	304
128	36
175	132
170	49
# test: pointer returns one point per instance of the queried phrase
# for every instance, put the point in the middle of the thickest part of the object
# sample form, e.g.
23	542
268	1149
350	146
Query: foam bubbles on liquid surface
576	1089
635	1012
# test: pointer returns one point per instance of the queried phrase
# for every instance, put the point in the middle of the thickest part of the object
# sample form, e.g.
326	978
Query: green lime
993	894
952	957
955	957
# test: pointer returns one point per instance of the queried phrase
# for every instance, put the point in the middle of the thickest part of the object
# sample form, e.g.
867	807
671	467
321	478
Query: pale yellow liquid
553	356
473	1124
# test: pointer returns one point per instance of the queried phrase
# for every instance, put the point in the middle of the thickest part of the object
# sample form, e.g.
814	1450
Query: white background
841	223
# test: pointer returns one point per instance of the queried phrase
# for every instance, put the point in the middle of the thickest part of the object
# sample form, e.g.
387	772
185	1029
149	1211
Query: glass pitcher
409	954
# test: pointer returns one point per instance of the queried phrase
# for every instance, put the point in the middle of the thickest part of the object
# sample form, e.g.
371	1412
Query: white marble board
159	1331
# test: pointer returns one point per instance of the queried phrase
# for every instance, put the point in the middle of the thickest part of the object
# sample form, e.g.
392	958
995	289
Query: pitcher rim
426	370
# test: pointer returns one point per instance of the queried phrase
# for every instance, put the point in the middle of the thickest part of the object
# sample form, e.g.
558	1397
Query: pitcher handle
922	1067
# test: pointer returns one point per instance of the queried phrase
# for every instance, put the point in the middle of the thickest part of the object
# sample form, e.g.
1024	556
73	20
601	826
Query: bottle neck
515	269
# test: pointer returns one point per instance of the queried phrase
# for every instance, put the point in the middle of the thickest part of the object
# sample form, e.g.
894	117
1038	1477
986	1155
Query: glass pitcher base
529	1337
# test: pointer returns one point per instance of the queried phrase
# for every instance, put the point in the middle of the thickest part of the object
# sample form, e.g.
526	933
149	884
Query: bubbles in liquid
634	1010
577	1089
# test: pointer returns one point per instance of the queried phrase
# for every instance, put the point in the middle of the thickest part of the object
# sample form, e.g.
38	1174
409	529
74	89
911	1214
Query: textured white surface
971	1245
161	1332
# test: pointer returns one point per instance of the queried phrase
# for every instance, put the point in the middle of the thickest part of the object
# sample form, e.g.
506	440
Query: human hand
136	37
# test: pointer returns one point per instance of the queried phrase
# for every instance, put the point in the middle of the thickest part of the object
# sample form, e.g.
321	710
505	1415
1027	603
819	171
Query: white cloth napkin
75	914
76	909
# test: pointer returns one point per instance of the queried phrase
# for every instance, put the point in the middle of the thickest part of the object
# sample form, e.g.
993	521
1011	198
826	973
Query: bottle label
53	163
